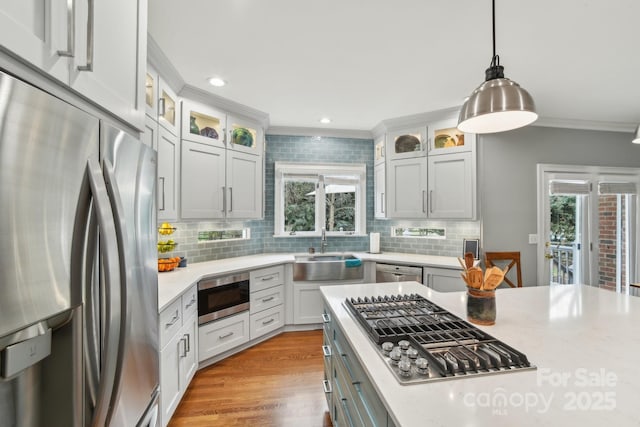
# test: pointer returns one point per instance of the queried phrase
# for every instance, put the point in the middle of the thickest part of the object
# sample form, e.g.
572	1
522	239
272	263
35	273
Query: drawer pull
266	322
326	385
347	365
346	412
173	320
267	278
326	318
326	350
271	298
190	303
227	335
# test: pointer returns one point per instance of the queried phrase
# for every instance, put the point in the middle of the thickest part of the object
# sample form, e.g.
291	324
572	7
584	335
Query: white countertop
173	283
584	341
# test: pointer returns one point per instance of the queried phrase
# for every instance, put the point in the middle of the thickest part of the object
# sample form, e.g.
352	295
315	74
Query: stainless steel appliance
421	341
222	296
78	279
397	273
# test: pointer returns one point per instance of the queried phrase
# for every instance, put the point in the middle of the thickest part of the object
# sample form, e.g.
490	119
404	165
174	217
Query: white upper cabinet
203	124
37	31
244	185
168	107
203	188
96	47
110	55
150	135
407	143
379	154
244	135
407	188
168	162
444	138
452	186
380	188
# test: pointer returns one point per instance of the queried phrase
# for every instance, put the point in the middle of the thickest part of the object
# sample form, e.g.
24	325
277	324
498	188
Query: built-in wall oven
222	296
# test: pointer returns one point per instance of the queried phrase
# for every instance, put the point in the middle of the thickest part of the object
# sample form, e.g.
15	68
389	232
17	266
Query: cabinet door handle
71	30
431	201
326	351
162	107
173	320
267	322
161	178
227	335
188	342
326	385
325	318
424	210
88	66
382	202
230	199
268	299
184	347
224	199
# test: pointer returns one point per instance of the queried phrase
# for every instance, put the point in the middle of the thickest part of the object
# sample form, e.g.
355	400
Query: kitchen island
583	341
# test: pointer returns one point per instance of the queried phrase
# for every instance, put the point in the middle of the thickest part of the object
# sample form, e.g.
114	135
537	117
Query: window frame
283	170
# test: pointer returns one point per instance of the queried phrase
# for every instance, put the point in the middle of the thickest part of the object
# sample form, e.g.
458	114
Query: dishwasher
397	273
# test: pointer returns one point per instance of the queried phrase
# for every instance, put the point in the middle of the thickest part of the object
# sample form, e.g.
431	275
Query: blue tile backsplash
306	149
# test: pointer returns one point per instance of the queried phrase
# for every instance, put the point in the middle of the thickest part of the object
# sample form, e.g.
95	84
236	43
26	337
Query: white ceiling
363	61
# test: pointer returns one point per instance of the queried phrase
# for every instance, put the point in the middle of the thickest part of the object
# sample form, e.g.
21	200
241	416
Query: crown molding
417	119
585	124
208	98
163	65
319	132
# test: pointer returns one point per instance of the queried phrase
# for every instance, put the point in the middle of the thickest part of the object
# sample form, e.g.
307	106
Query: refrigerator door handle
111	324
125	279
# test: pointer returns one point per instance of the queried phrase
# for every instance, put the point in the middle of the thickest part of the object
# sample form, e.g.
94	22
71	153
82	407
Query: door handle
431	201
230	199
162	107
548	256
424	210
382	202
161	178
188	343
88	66
224	199
71	30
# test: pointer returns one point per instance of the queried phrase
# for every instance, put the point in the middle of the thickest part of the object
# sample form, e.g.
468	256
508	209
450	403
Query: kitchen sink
327	267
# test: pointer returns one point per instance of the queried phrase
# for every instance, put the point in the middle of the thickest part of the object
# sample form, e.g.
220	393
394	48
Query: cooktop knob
422	365
412	353
404	345
395	356
405	367
387	346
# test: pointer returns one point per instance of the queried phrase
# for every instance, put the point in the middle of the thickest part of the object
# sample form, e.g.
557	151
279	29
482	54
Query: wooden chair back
512	258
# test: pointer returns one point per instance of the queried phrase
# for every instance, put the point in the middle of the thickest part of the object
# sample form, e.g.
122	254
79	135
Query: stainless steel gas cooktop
421	341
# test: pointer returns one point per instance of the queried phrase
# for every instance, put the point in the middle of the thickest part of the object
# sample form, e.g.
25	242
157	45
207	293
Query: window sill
317	236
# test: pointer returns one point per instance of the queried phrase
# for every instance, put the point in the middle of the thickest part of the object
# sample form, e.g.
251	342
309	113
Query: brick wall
607	239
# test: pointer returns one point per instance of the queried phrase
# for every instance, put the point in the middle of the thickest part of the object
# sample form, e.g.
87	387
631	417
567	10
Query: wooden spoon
465	278
493	277
462	264
475	276
468	260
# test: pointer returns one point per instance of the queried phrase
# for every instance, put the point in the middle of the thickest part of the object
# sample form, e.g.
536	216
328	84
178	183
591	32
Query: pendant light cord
495	70
493	19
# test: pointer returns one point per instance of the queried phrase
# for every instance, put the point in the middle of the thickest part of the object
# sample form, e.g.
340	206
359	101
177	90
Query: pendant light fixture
636	136
498	104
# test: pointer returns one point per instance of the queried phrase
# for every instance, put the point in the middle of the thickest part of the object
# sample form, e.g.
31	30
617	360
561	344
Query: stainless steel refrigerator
78	273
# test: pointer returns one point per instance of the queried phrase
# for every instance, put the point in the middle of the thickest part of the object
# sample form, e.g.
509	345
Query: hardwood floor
275	383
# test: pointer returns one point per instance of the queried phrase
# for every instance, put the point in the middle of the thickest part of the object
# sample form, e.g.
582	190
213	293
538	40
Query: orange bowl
167	264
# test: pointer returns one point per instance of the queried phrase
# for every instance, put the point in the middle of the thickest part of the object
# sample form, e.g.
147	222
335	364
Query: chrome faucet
323	241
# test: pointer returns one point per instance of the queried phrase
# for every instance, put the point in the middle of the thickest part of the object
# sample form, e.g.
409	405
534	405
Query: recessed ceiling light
325	120
217	82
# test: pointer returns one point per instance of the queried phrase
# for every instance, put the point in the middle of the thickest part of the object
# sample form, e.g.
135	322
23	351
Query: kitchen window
313	196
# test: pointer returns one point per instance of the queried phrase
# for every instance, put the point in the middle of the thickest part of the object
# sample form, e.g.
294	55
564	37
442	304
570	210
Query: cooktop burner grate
421	341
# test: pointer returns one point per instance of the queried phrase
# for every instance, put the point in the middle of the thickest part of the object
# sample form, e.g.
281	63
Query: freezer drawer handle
227	335
71	31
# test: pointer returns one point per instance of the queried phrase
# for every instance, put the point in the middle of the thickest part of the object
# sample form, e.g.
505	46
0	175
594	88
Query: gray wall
507	179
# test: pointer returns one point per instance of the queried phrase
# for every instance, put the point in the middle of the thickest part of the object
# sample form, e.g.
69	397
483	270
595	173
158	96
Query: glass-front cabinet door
168	114
444	137
244	135
407	143
201	123
151	92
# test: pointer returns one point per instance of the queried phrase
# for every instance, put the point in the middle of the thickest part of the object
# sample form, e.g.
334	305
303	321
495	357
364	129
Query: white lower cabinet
178	355
307	303
443	279
221	335
350	394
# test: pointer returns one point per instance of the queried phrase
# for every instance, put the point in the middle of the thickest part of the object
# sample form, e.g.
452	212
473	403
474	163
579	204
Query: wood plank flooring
275	383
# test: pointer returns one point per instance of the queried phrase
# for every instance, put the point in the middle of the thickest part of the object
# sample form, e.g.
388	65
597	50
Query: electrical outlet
533	239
